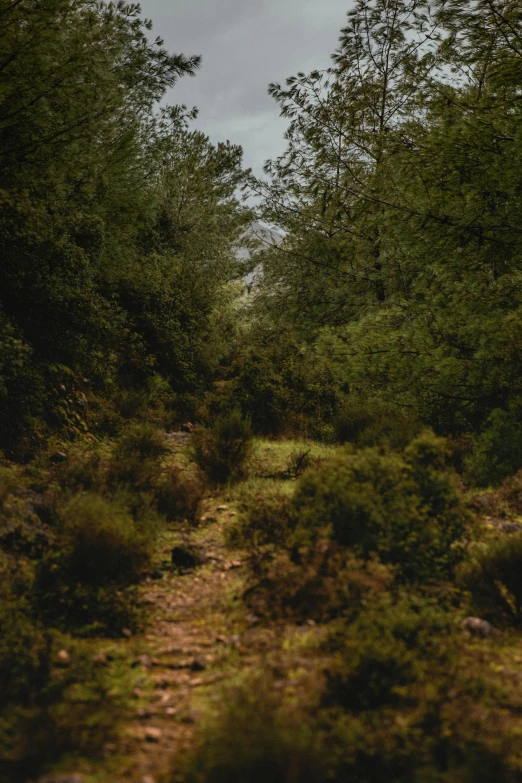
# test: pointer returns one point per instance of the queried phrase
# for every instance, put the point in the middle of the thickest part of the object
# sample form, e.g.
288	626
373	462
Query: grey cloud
245	45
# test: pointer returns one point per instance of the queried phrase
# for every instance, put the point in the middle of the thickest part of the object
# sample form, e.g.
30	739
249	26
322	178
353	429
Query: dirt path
193	643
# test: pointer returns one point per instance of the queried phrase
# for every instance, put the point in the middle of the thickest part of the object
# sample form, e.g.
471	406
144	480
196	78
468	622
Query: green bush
141	440
178	494
319	582
85	580
222	451
8	482
135	457
510	494
372	423
24	653
392	644
281	386
498	449
74	710
267	516
253	741
85	467
102	541
406	508
495	579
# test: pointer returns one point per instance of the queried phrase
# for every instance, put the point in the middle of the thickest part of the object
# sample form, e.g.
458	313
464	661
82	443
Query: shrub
498	448
320	583
8	482
84	467
130	403
86	610
373	423
254	741
102	541
390	645
510	493
83	582
495	579
142	440
267	516
24	653
222	450
406	508
282	387
178	494
73	710
135	457
21	530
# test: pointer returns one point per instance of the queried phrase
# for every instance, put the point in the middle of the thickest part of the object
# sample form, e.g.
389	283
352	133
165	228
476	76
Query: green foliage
397	201
222	450
110	212
267	516
178	494
391	645
498	450
253	741
85	580
495	579
318	582
406	508
280	385
372	423
140	440
510	494
101	539
76	710
24	653
136	454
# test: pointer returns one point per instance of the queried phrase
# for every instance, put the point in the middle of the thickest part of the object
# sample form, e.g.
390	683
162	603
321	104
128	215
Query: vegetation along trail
261	437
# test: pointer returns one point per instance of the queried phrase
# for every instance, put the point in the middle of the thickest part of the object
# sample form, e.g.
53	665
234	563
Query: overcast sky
245	45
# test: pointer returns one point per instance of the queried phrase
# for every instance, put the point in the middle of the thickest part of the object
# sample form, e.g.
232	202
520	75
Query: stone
222	508
126	632
479	627
504	525
142	660
147	779
152	734
58	456
100	659
63	658
186	557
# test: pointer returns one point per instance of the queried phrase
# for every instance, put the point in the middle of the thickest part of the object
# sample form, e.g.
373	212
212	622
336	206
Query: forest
261	436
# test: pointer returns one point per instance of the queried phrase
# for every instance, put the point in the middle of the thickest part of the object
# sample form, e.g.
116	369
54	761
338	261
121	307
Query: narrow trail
193	642
201	639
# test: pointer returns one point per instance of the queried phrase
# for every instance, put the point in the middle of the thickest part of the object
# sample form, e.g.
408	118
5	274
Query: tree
117	224
334	188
